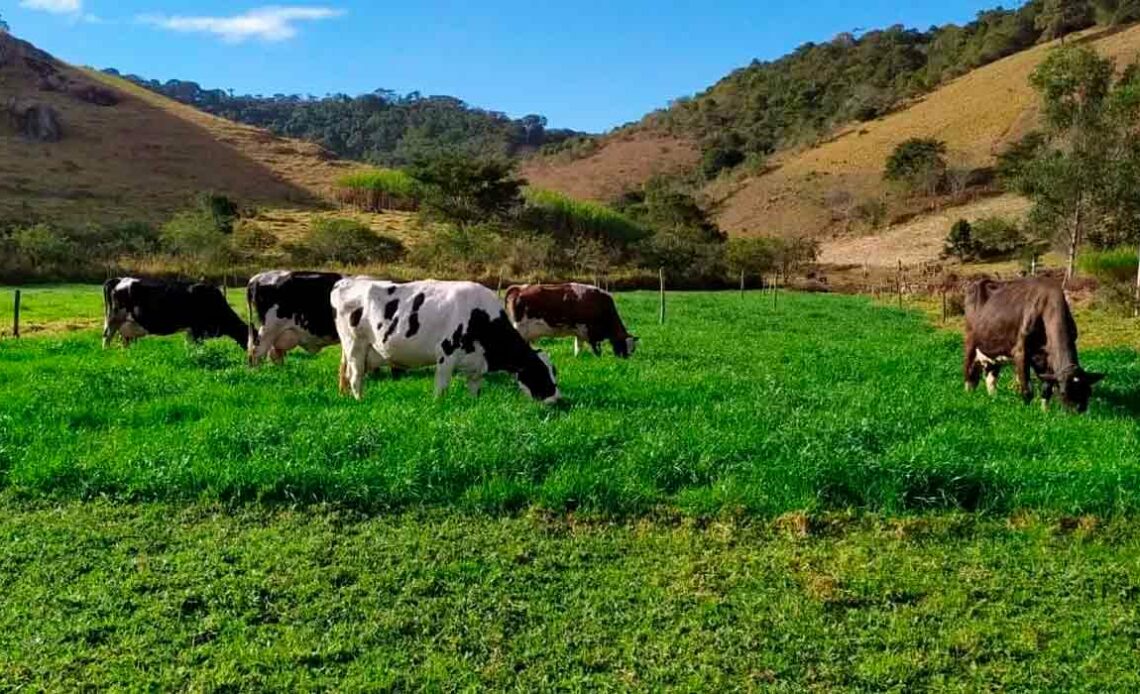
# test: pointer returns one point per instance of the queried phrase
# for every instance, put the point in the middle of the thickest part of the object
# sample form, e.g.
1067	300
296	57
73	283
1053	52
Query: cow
581	311
454	326
1026	322
134	307
294	311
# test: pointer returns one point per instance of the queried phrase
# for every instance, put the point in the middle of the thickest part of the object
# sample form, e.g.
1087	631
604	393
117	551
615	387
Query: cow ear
1094	378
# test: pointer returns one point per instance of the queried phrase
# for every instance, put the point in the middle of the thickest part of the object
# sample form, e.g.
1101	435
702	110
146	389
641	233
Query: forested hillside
382	127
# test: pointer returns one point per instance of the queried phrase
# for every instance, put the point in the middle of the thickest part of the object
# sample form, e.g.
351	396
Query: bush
469	249
992	238
194	235
919	163
222	210
377	190
960	241
345	242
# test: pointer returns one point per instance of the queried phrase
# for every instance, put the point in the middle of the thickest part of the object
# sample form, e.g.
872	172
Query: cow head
1076	387
538	378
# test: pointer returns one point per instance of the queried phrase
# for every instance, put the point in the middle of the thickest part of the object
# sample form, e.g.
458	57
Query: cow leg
276	356
1021	364
596	348
577	346
355	357
993	373
1046	395
110	328
972	371
474	383
342	374
443	374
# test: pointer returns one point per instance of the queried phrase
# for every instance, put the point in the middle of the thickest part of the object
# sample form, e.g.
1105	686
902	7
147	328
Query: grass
201	598
763	497
580	218
823	403
375	190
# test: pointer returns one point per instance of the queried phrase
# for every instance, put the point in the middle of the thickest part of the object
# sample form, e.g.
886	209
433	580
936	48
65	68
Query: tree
466	190
1058	18
4	27
1067	179
751	256
919	164
1116	12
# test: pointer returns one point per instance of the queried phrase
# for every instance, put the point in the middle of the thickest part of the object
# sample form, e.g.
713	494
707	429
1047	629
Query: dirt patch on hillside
132	155
920	240
622	163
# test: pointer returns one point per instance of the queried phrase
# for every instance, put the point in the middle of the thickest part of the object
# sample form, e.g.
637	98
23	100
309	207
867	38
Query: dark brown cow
1026	322
581	311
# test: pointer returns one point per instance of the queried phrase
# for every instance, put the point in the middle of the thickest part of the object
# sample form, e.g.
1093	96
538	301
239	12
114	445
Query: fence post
898	283
776	290
661	279
742	284
499	287
16	316
944	303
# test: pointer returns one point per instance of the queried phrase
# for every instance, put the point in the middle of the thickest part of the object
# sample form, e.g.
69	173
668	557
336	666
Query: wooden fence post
499	288
16	316
776	290
742	284
944	303
898	283
661	279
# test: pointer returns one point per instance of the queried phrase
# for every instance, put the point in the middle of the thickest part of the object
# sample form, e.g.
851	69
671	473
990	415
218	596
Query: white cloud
54	6
265	23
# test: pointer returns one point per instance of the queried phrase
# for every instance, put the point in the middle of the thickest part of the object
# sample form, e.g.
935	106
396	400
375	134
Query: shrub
960	241
871	212
222	210
469	249
992	238
919	163
194	235
347	242
376	190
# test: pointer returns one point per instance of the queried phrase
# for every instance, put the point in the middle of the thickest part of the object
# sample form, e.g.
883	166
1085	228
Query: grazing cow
294	311
581	311
136	307
1026	322
455	326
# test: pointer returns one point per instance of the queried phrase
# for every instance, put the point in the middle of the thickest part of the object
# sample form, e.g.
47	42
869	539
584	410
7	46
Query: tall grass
376	190
821	402
567	218
1114	265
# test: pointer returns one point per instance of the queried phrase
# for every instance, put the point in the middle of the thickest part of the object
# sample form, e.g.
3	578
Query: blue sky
586	65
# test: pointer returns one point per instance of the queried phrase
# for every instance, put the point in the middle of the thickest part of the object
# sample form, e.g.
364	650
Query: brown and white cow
581	311
1026	322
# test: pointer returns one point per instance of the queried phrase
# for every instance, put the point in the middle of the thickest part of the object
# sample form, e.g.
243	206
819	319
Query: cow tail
510	299
250	300
108	289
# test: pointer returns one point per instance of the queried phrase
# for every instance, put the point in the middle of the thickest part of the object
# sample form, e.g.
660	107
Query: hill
128	154
817	189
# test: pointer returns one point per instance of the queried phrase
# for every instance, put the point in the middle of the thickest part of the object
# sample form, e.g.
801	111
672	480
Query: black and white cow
454	326
293	310
135	307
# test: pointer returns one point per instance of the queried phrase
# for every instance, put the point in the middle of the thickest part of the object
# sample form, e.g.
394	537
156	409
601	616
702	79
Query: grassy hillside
813	190
141	159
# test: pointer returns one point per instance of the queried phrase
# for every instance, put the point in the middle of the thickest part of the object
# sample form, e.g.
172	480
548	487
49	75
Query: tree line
804	95
382	127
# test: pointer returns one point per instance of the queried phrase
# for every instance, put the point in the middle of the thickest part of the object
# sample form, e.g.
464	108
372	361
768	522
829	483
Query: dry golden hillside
624	161
142	158
811	191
